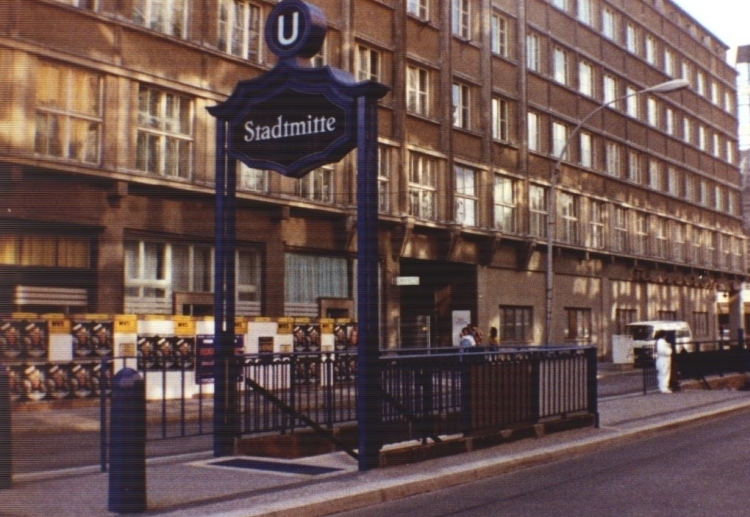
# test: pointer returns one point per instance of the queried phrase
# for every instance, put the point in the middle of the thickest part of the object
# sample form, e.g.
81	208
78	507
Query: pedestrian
466	338
494	339
663	361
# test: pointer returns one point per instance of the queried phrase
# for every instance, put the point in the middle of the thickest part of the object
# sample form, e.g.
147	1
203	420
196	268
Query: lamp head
669	86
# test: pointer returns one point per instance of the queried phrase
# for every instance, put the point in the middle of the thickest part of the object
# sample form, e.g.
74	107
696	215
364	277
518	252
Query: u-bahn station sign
294	118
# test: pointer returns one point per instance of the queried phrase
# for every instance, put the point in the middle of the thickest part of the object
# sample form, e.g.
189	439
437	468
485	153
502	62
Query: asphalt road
694	471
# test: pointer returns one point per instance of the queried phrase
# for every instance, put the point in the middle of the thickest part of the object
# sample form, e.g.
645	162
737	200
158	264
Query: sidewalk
194	485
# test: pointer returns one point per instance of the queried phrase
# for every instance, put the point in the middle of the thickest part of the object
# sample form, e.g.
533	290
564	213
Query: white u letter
295	28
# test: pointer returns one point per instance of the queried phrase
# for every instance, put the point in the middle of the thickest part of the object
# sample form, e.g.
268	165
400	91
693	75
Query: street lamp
666	87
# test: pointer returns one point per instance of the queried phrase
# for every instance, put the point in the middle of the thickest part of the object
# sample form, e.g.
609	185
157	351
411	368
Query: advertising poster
205	354
183	349
35	339
11	345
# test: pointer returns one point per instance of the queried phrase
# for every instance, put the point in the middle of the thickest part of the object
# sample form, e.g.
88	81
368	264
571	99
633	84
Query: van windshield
640	332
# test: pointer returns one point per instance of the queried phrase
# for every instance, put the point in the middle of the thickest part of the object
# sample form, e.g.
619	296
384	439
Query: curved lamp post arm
666	87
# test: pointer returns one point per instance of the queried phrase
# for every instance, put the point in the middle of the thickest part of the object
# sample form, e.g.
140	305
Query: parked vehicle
644	332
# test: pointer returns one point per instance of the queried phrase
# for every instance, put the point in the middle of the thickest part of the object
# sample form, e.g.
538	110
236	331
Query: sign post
294	119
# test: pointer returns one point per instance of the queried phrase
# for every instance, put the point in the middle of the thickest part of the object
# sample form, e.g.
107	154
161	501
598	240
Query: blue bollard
6	455
127	444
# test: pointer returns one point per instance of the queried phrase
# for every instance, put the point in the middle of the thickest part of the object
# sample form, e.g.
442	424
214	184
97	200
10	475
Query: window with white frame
560	65
716	145
561	4
533	132
661	239
640	234
631	102
568	204
651	50
702	138
652	111
499	35
655	179
635	172
533	52
587	149
585	12
631	38
729	151
608	23
165	134
384	178
578	327
505	204
559	137
610	89
719	198
418	8
368	64
673	181
461	105
422	185
620	230
586	78
669	62
68	113
596	224
686	72
239	31
715	94
165	16
252	179
613	159
317	185
669	121
461	18
538	211
678	246
466	196
500	119
700	79
417	90
687	130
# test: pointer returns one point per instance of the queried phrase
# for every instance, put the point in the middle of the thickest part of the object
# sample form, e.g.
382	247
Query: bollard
127	444
6	455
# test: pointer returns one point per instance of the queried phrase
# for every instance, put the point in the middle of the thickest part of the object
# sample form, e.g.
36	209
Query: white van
644	332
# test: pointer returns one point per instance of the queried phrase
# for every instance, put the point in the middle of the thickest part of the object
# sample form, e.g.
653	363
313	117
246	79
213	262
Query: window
695	245
239	29
461	106
652	112
384	178
678	245
669	62
719	198
669	121
610	89
68	114
515	324
418	8
569	215
587	150
505	204
608	23
635	174
578	326
252	179
703	193
165	143
561	4
44	250
700	323
560	66
559	137
422	186
687	130
466	196
614	160
499	35
309	277
166	16
585	12
640	236
702	137
538	211
690	190
687	72
631	102
651	50
417	90
655	180
317	185
596	224
154	270
620	237
368	64
586	78
673	182
631	38
533	129
623	317
83	4
532	52
460	18
660	238
500	122
666	315
701	83
716	145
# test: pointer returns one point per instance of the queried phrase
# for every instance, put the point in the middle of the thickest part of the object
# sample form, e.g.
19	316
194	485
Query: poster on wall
92	337
205	353
11	346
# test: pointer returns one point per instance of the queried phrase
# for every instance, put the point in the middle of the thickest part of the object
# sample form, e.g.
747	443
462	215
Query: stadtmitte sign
293	118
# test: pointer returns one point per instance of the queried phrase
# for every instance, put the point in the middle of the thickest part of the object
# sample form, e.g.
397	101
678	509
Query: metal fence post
6	454
127	473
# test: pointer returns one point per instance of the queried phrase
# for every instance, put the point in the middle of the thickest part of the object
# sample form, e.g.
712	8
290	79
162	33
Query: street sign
407	280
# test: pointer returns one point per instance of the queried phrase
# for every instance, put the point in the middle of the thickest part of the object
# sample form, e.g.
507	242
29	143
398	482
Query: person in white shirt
663	361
